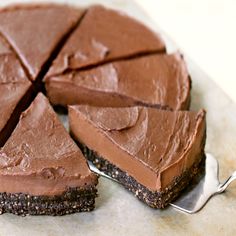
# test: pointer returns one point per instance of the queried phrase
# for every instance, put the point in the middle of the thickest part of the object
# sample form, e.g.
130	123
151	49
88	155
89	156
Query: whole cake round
127	100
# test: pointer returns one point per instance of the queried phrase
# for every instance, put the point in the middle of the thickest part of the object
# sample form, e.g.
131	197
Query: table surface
204	29
118	212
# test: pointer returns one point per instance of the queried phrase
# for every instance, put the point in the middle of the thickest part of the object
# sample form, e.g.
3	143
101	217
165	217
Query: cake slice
154	80
15	90
153	153
36	31
42	171
105	35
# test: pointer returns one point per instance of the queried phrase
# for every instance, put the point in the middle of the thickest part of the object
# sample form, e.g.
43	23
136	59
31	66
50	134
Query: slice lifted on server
105	35
42	171
154	80
34	31
153	153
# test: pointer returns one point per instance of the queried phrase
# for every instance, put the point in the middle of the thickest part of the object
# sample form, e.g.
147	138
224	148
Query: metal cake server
196	196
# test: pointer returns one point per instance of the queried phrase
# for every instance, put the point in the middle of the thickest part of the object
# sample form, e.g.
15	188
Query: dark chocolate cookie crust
153	199
71	201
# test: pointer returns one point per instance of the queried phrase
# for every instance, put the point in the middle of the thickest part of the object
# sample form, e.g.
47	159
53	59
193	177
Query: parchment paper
117	211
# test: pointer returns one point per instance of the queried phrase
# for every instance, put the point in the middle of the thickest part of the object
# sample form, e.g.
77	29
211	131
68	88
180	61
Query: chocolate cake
153	153
15	90
42	171
105	35
127	95
161	81
36	32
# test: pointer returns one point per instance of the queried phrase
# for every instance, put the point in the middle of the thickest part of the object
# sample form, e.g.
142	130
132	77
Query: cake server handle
222	187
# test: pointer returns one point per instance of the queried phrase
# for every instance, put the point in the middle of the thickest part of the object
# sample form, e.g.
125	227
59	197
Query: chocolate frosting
13	83
34	31
40	158
122	117
154	148
154	80
104	35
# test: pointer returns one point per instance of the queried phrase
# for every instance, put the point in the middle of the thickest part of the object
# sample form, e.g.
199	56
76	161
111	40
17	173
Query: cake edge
154	199
71	201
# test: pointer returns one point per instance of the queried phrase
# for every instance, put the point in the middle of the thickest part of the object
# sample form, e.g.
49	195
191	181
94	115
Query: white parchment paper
117	211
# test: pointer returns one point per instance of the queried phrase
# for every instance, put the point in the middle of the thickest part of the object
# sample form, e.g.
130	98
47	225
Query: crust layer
153	199
71	201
